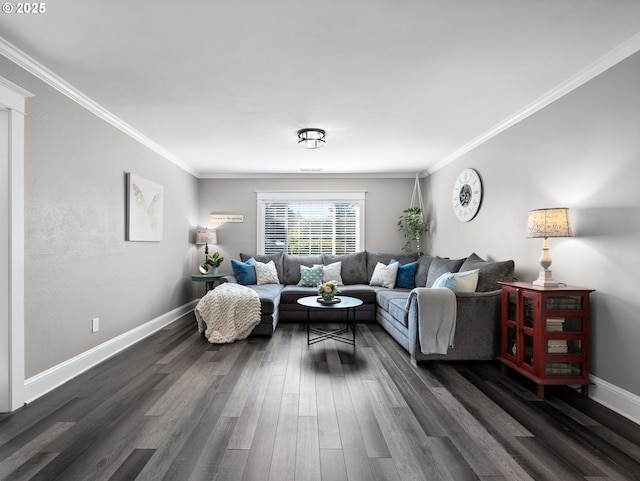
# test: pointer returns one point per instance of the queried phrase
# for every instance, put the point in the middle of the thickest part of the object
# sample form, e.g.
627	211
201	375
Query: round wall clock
467	194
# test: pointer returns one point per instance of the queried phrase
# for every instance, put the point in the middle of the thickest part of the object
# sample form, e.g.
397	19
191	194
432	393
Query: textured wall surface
581	152
77	263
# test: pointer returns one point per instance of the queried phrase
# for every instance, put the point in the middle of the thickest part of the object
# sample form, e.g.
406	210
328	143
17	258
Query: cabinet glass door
511	349
527	354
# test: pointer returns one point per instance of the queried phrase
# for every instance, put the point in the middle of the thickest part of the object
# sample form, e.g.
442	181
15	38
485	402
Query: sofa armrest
230	278
477	334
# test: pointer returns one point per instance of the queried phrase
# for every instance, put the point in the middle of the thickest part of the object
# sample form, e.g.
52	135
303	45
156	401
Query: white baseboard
50	379
617	399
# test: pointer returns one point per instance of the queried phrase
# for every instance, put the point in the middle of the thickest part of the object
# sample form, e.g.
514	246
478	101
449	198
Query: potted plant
211	262
328	290
214	260
411	223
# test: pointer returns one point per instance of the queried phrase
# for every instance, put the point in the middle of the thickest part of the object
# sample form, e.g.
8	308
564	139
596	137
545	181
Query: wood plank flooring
175	407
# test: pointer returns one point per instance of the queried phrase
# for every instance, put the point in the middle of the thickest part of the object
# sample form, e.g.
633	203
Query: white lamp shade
206	236
549	223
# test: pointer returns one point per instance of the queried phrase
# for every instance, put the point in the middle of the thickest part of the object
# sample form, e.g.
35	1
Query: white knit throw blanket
228	312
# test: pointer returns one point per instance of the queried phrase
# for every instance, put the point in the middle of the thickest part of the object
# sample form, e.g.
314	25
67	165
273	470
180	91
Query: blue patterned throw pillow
310	276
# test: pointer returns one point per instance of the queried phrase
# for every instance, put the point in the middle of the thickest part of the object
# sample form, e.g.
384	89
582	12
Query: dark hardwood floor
174	407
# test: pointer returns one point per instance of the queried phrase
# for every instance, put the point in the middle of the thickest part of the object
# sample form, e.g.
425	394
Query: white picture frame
144	209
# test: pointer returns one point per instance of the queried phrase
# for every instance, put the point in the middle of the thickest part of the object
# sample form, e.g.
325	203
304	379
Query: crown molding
316	175
43	73
604	63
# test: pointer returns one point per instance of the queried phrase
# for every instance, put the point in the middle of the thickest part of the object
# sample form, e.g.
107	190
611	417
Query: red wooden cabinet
545	334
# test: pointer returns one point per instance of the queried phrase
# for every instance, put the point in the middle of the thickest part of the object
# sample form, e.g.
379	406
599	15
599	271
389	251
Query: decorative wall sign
144	209
217	218
467	194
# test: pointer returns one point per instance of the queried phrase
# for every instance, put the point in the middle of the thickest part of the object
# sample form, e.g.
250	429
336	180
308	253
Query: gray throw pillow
490	272
291	266
424	262
440	265
354	266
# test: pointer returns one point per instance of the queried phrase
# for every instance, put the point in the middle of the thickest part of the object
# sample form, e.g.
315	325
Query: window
310	222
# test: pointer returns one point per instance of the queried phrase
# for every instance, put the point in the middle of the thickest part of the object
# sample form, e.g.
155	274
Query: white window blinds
310	223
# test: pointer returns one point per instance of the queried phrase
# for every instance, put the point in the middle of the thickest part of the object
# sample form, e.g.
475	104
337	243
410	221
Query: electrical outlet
95	324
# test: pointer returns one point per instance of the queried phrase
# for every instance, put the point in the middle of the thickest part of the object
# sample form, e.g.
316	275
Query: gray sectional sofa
478	313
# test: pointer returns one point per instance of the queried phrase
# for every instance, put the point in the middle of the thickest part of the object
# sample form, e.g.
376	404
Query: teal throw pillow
310	276
458	281
406	277
245	272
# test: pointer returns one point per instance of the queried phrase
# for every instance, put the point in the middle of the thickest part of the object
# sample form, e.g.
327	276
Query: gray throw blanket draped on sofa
437	312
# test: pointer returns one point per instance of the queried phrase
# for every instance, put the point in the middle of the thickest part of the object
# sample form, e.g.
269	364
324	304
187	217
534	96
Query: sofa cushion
310	276
276	258
490	273
332	272
458	281
291	266
439	266
290	294
266	273
385	296
424	262
374	257
269	295
363	292
245	272
353	269
394	301
406	277
385	276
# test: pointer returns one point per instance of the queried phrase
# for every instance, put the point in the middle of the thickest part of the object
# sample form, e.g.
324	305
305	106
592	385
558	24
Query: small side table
211	280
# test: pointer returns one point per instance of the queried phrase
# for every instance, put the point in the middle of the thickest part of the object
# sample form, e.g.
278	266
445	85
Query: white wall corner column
12	112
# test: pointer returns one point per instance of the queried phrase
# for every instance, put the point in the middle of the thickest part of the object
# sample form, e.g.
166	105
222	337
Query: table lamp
205	236
547	223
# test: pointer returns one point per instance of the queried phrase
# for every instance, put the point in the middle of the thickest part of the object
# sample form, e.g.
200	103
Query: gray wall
78	264
385	201
581	152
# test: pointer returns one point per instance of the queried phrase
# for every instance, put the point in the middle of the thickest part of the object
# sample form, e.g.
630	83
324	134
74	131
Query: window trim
263	197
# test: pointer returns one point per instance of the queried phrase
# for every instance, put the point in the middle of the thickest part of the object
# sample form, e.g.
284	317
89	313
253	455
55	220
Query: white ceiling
400	86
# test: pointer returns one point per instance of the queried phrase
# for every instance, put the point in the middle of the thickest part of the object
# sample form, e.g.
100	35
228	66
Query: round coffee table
346	303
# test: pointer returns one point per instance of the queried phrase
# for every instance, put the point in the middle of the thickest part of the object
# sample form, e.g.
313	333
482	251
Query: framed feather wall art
144	209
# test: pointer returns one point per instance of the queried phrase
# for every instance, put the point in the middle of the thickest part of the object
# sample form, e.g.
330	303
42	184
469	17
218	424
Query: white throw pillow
384	276
332	272
266	273
458	281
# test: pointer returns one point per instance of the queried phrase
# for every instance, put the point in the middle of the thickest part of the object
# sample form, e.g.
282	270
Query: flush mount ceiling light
311	138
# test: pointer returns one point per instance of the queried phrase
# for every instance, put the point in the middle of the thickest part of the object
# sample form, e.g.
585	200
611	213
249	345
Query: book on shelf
557	346
562	368
564	303
557	350
555	324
